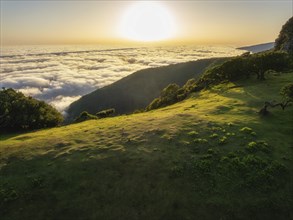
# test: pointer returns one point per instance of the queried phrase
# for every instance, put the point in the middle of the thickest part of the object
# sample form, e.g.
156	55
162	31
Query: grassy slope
137	90
145	166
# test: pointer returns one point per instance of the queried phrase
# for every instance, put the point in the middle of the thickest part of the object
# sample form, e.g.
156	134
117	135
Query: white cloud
62	102
61	75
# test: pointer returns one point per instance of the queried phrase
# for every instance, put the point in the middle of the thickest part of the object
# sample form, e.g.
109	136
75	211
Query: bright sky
203	22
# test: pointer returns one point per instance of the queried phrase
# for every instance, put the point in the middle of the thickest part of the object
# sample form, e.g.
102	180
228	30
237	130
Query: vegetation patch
256	146
18	112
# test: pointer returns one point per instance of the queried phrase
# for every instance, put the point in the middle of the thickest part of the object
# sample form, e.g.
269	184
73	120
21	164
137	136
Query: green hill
137	90
211	156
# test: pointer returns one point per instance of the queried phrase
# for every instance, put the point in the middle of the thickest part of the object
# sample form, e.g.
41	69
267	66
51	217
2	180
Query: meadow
211	156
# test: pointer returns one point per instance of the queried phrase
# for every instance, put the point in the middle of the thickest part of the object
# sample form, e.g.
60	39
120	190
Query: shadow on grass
5	135
94	184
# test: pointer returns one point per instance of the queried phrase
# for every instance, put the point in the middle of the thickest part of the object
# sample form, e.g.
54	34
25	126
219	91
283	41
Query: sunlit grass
142	166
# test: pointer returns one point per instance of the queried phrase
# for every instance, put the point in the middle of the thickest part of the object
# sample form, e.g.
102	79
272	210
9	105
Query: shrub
287	92
223	140
192	133
200	140
246	130
156	103
18	112
84	116
189	86
106	113
214	135
169	95
253	147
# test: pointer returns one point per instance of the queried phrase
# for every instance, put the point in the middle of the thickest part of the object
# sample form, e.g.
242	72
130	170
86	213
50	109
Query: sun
147	21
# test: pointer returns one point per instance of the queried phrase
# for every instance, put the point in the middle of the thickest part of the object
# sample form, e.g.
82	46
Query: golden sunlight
147	21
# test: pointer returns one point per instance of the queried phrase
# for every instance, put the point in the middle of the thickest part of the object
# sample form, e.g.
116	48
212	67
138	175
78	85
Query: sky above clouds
105	50
203	22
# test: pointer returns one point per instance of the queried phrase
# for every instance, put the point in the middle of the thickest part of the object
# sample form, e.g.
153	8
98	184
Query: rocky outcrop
284	41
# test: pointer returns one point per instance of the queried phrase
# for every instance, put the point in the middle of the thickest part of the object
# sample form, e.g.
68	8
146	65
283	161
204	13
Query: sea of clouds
60	75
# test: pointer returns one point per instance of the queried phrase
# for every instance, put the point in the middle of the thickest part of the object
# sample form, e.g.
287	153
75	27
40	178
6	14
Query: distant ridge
258	48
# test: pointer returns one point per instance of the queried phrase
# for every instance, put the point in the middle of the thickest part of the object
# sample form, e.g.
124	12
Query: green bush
246	130
287	92
214	135
189	86
242	67
106	113
192	133
263	146
84	116
223	140
18	112
156	103
171	94
200	140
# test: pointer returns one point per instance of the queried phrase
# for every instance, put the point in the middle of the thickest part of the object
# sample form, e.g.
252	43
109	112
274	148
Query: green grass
209	157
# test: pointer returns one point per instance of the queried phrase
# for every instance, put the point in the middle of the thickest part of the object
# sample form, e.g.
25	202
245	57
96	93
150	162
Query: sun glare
147	21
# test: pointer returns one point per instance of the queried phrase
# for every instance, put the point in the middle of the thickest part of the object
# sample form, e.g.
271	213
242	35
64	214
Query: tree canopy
18	112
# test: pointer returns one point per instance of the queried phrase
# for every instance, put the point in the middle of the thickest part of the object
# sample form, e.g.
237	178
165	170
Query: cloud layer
60	75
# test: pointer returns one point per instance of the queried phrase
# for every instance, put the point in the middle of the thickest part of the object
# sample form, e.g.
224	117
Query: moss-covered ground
211	156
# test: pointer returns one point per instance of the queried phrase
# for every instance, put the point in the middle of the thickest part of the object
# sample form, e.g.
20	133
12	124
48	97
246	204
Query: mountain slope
137	90
208	157
285	39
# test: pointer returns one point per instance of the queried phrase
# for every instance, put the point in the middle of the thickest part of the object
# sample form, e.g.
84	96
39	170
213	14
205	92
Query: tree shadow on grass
5	135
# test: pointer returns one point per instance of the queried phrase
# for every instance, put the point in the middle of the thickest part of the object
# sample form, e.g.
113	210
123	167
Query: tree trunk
262	75
264	110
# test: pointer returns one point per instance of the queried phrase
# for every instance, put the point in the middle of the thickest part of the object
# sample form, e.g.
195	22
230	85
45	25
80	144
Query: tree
272	60
18	112
169	95
287	93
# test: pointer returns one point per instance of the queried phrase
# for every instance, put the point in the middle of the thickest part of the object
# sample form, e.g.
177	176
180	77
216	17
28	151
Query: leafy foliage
242	67
255	146
287	92
106	113
84	116
18	112
171	94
